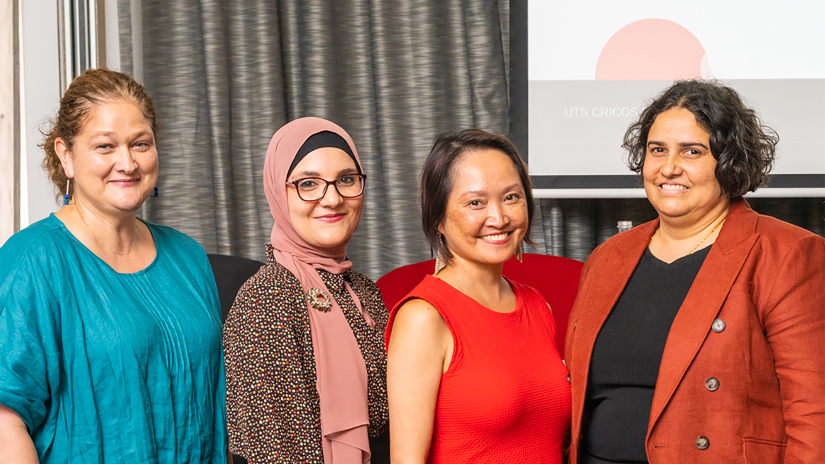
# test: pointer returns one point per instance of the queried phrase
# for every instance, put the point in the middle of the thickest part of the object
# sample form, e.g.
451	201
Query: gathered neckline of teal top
100	260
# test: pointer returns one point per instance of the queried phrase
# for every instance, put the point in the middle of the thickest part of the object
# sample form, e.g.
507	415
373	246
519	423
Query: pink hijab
340	369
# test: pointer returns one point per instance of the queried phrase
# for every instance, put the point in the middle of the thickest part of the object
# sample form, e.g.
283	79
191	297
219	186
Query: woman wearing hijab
305	361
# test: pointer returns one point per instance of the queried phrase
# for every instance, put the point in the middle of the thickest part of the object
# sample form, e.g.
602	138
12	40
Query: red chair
556	278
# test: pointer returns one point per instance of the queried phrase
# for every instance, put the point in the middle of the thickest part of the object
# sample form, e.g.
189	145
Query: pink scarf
340	369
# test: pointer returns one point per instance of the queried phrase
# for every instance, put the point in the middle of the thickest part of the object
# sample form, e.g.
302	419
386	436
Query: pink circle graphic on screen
652	49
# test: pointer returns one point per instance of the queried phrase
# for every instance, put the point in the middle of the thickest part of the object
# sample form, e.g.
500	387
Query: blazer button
568	378
712	384
702	442
718	325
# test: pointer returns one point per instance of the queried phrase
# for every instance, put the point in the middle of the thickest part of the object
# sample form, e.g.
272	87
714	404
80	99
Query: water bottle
624	226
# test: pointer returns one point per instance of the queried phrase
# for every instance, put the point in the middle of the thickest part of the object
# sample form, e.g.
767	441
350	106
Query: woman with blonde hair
110	325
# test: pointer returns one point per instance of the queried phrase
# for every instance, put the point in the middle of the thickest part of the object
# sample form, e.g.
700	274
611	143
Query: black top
626	357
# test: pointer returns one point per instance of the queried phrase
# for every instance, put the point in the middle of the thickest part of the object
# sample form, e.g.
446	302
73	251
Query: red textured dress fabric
505	397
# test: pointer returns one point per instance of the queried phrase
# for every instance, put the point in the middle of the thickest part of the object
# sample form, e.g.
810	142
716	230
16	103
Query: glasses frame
327	183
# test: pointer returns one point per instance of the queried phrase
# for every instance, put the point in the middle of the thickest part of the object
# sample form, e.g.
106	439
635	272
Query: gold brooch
319	300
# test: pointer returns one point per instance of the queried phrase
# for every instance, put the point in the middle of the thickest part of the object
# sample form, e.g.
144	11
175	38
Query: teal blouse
111	367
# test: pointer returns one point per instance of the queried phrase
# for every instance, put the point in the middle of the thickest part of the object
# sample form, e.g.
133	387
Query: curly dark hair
87	91
436	178
744	147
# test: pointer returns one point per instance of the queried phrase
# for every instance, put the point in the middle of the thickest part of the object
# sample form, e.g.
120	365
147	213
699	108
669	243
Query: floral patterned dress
272	404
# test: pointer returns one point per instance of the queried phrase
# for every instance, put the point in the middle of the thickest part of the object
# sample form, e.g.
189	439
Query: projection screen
582	71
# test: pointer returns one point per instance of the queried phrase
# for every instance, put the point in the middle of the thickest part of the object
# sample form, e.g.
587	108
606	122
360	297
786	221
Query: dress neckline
519	300
104	263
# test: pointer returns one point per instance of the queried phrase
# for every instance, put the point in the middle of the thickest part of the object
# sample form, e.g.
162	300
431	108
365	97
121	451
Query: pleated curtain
226	74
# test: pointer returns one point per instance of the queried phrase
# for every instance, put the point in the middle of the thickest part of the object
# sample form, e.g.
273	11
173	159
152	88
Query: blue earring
155	194
66	196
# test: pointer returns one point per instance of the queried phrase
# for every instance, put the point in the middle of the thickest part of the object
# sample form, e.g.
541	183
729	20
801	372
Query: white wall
112	35
40	99
7	116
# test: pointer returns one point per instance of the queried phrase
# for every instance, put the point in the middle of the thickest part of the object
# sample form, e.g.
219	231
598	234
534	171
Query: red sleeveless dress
505	397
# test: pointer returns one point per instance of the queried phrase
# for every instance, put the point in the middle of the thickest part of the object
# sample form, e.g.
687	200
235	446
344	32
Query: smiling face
330	221
486	216
114	162
680	170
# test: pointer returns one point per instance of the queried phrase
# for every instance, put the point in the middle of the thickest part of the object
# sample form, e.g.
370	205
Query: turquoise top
109	367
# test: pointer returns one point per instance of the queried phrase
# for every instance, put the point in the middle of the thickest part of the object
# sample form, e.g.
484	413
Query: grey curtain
226	74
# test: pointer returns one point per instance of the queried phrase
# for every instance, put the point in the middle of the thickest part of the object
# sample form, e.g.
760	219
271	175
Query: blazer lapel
604	289
703	302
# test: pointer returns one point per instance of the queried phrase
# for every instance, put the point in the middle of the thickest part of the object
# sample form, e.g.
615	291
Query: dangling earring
440	262
519	253
155	193
66	196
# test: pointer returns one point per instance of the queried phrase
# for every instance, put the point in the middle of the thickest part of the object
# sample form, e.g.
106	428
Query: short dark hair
743	146
437	182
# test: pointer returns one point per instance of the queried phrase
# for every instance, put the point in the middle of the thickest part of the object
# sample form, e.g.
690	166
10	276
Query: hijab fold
341	374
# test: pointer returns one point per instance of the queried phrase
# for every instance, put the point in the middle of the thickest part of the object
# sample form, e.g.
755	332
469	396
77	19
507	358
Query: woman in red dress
473	372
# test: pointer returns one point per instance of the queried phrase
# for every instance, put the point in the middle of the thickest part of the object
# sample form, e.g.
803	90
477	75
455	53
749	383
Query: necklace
706	236
698	244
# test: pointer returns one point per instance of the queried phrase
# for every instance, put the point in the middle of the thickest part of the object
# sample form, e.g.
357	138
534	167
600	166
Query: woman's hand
15	443
419	353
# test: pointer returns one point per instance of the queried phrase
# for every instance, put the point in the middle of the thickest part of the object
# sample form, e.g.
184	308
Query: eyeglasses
314	188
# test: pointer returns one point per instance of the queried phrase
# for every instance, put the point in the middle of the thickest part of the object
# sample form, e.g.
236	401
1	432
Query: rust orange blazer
765	280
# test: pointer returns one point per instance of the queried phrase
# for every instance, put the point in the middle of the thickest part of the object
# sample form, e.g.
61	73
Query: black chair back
230	273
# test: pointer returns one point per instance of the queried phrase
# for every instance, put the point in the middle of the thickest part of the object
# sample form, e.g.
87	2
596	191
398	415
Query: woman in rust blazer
700	336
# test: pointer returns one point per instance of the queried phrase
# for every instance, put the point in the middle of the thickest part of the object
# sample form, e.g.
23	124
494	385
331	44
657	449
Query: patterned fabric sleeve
272	403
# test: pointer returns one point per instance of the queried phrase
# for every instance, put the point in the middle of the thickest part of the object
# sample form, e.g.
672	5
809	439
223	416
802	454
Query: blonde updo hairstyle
86	92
